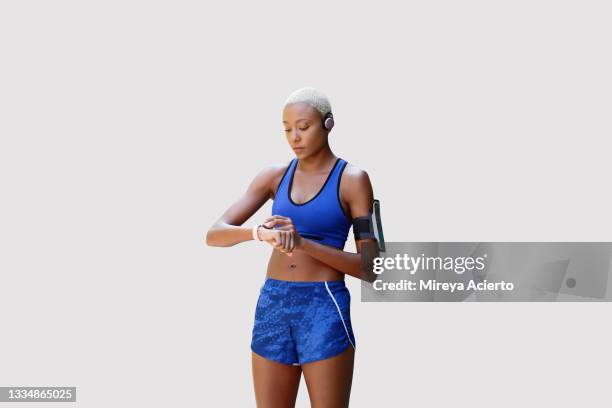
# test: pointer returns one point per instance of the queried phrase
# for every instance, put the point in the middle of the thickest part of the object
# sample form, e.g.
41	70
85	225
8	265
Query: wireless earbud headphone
328	121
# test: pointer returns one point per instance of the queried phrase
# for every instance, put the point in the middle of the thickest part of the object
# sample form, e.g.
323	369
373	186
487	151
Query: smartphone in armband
377	224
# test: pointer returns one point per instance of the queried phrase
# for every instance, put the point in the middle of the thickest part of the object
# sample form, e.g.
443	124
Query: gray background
128	127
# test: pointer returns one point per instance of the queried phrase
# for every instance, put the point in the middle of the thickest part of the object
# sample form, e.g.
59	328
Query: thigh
276	384
329	381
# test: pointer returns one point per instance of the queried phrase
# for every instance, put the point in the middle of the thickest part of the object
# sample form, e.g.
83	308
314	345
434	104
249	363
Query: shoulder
356	190
270	176
273	171
356	178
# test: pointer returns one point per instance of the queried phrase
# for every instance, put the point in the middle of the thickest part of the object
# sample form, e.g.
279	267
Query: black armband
363	227
370	226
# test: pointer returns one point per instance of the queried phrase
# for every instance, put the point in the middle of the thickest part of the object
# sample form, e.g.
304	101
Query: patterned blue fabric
321	218
299	322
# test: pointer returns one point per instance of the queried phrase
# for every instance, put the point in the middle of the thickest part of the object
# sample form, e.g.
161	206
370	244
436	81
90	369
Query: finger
276	222
288	241
288	227
283	222
278	218
276	240
269	224
291	245
270	219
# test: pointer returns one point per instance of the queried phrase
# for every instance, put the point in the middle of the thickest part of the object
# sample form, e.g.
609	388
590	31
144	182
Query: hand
286	238
285	224
284	241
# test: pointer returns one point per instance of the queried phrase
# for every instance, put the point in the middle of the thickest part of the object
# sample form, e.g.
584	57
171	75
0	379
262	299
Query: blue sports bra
321	218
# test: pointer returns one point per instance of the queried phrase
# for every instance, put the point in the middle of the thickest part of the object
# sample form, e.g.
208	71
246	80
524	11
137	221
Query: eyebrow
299	120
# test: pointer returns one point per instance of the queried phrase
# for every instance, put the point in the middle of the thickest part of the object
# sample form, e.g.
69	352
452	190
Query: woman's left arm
359	197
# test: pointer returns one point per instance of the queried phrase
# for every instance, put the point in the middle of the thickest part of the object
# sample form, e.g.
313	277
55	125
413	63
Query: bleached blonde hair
312	97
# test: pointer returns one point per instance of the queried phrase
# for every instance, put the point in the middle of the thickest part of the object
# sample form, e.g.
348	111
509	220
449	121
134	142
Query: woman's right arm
228	230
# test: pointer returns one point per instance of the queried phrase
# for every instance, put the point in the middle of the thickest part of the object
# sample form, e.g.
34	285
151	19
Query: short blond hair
312	97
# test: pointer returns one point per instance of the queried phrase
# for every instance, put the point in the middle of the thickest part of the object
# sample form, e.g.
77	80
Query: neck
318	161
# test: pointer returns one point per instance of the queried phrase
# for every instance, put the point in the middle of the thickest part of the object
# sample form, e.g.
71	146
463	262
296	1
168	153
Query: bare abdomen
300	267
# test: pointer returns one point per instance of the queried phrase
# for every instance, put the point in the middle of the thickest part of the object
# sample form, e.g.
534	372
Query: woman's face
304	129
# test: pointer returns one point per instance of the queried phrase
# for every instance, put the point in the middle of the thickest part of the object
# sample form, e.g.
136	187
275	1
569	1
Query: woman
302	318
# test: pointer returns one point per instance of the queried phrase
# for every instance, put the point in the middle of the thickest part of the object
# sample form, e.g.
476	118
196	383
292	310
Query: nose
296	135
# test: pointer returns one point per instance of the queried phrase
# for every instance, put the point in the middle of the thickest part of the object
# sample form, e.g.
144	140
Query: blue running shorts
302	322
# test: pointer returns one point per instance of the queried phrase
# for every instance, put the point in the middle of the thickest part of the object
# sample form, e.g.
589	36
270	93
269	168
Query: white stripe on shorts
340	313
